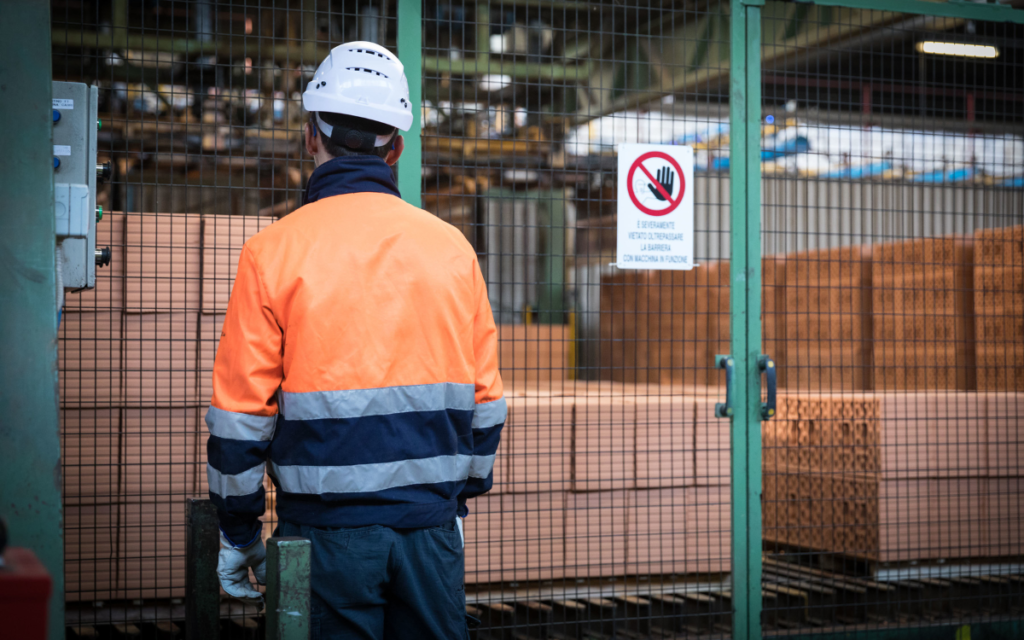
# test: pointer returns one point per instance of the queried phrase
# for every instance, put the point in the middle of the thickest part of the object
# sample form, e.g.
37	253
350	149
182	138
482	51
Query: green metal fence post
410	50
288	569
745	305
30	471
202	600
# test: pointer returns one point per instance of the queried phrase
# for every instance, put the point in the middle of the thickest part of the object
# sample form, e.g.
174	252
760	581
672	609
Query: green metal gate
875	202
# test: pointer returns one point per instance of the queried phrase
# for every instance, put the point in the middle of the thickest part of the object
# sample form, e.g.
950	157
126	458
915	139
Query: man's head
388	145
357	101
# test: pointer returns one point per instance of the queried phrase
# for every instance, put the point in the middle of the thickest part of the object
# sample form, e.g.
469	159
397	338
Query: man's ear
396	151
312	144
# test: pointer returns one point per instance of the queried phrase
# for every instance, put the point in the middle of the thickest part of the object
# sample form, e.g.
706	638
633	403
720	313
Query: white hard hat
361	79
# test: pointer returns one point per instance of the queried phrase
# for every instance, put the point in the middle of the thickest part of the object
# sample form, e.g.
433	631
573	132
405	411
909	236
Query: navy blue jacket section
400	508
239	515
485	443
235	456
386	438
350	174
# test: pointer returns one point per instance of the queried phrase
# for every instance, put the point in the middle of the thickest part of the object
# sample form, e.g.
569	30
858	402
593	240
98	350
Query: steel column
410	50
30	472
288	599
745	305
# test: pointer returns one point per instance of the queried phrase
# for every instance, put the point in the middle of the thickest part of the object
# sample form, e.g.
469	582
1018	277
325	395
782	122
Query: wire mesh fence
605	514
892	467
892	283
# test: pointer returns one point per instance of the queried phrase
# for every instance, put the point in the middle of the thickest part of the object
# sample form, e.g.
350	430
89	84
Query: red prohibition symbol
672	203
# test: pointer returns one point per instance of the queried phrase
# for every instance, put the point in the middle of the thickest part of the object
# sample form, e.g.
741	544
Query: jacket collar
350	174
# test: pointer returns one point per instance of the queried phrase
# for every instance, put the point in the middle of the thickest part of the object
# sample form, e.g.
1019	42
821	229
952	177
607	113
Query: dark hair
359	124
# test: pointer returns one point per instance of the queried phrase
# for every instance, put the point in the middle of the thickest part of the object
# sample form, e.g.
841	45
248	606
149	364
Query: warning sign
655	207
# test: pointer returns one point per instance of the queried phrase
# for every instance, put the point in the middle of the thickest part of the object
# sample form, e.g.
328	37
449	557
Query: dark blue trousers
376	582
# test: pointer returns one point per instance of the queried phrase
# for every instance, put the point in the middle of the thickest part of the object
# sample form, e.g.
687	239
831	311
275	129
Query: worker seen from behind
358	366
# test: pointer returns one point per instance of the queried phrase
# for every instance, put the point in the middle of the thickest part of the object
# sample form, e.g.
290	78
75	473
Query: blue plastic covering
859	171
772	151
955	175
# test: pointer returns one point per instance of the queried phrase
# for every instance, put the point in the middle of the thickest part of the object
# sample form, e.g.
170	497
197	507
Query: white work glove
458	525
233	565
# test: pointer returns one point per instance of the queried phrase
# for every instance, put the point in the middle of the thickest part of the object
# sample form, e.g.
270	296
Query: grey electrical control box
75	128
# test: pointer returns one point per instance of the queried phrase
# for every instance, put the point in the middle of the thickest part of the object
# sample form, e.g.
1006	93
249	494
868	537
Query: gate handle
767	365
724	409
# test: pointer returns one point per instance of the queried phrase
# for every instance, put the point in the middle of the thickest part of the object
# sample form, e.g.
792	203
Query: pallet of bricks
999	308
895	477
896	316
999	340
821	322
923	315
131	409
664	326
602	479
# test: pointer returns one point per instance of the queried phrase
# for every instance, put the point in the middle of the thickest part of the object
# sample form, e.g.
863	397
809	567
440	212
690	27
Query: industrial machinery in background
75	176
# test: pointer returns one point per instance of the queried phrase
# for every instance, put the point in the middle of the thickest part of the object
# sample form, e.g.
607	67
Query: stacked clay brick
923	314
664	326
603	479
999	308
936	313
821	457
826	319
131	408
896	477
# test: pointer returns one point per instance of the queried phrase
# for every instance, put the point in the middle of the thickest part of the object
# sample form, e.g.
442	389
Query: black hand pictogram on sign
667	180
637	188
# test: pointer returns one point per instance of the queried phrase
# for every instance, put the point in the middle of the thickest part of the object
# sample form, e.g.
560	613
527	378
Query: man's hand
233	565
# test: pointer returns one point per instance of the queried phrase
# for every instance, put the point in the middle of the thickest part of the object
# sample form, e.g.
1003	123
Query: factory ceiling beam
694	57
716	110
255	47
483	63
516	70
552	4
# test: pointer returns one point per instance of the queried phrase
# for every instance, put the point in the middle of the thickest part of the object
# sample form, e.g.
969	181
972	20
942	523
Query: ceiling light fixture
958	49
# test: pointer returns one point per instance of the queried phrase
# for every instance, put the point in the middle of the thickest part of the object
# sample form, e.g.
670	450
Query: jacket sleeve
490	410
243	413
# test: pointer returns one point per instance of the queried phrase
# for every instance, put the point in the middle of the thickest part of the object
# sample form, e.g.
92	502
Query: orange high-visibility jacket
358	366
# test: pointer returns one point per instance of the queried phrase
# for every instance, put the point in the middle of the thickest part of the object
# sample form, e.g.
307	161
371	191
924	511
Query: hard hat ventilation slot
372	53
365	70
